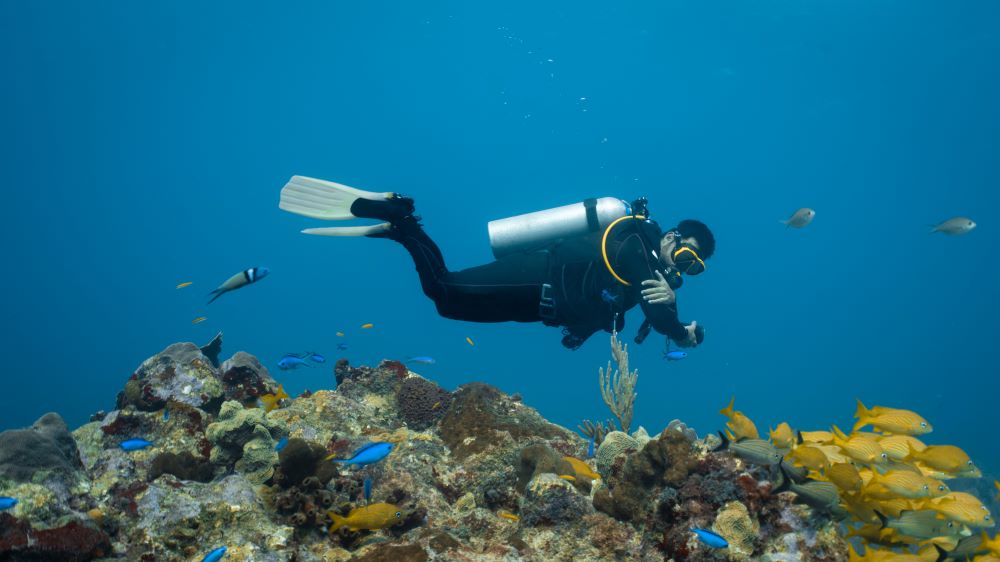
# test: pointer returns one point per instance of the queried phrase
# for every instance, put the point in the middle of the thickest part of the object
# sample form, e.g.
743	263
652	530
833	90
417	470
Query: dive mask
687	260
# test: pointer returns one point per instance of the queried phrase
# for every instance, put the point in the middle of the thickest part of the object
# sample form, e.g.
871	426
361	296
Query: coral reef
476	475
45	449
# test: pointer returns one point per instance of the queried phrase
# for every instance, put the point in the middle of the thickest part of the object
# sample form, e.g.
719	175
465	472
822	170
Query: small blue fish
7	503
281	443
215	555
711	539
134	445
316	357
590	448
341	347
370	453
674	355
422	359
291	362
607	297
166	414
368	488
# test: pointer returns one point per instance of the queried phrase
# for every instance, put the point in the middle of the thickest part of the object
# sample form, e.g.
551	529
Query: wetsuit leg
501	291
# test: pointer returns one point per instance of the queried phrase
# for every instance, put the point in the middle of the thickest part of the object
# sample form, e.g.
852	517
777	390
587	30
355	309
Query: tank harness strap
593	223
604	246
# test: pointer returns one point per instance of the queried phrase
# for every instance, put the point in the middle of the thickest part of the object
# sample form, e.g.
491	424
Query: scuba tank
538	230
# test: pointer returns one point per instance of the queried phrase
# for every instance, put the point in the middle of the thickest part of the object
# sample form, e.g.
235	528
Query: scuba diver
578	267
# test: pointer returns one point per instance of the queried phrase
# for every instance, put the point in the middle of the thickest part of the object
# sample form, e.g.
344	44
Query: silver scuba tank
534	231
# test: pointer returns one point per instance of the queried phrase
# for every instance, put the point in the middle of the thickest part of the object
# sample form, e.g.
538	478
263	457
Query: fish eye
942	488
923	424
927	488
399	514
885	456
970	463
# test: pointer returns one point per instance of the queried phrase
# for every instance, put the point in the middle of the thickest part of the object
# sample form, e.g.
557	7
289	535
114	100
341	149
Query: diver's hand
658	291
692	338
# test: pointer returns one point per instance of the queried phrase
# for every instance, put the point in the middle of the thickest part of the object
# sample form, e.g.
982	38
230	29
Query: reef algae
476	474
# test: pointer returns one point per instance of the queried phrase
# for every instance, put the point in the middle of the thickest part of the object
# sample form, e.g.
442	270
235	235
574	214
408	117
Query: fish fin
216	294
786	480
728	410
725	443
838	433
863	414
882	519
338	521
212	350
798	437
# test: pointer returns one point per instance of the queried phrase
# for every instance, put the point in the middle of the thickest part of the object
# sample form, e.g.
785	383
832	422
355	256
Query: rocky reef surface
475	474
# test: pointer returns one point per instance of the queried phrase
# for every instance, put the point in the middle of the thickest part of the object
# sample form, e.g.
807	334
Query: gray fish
921	524
816	494
955	226
801	218
754	451
241	279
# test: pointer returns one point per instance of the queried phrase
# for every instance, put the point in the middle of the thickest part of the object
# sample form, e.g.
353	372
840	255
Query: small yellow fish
898	484
436	405
963	508
184	284
891	420
898	447
367	326
340	334
508	515
567	477
862	448
946	458
270	401
845	476
468	339
782	437
809	457
370	517
581	468
199	320
741	426
816	436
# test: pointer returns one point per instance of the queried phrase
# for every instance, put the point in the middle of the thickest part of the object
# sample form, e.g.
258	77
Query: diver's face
669	243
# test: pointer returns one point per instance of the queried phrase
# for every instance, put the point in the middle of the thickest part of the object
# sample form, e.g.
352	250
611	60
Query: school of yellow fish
890	485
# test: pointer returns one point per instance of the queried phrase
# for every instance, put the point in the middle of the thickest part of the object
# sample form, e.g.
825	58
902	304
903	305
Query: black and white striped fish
241	279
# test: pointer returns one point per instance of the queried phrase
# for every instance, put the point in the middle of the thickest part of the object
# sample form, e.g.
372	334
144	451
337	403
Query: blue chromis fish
368	488
281	443
215	555
7	502
134	444
674	355
710	538
341	346
369	453
590	448
607	297
422	359
166	414
241	279
316	357
289	362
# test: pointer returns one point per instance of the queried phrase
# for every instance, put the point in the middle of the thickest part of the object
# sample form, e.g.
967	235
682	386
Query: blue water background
144	145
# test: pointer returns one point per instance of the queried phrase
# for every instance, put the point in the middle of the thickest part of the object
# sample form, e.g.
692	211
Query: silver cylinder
534	231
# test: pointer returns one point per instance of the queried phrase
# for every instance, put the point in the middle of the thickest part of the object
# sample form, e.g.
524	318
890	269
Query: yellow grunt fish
340	334
822	437
809	457
891	420
199	320
581	468
898	447
370	517
899	483
741	426
861	448
184	284
946	458
962	508
845	476
782	436
468	339
367	326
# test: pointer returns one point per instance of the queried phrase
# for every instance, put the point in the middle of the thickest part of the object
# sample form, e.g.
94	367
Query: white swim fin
326	200
371	230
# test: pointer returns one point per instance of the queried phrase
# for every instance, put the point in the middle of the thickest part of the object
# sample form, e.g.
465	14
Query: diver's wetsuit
584	295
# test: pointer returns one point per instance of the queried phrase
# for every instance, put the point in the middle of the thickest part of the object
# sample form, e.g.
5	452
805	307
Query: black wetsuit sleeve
636	261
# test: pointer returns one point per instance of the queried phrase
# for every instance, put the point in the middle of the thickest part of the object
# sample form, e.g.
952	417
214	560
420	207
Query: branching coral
596	430
618	388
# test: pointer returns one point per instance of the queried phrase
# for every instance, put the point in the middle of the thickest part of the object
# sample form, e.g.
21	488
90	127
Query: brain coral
614	444
734	523
244	436
421	402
